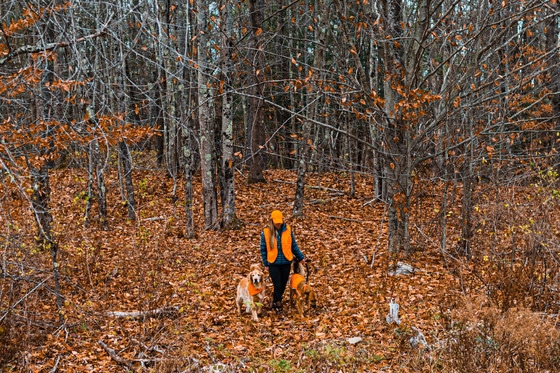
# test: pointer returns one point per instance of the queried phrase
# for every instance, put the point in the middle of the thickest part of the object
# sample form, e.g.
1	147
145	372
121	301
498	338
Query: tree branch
43	48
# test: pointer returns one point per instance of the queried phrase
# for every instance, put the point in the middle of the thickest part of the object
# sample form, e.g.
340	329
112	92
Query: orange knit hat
277	217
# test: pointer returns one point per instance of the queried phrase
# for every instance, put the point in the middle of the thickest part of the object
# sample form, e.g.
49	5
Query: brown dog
300	291
251	292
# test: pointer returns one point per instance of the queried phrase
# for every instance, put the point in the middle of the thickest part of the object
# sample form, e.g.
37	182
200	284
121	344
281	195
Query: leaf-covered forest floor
149	264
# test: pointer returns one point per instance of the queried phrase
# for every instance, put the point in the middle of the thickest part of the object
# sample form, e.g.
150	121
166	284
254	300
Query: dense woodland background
144	144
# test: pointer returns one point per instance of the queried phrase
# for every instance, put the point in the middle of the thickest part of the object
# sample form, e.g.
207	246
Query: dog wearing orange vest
300	291
251	292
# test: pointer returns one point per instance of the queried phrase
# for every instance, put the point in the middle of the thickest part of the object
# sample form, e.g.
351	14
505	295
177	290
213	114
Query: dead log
342	192
350	220
135	315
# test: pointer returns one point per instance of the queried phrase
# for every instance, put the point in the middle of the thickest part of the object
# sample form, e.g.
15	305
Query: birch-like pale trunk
204	118
171	90
228	193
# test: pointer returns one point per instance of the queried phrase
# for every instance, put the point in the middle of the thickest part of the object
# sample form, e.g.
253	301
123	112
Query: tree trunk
468	176
171	92
188	170
126	162
256	162
40	174
552	40
396	162
187	130
375	83
96	166
229	219
122	107
205	121
157	119
305	146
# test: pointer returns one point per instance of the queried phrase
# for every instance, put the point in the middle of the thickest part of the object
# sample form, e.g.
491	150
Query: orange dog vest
253	290
295	281
286	242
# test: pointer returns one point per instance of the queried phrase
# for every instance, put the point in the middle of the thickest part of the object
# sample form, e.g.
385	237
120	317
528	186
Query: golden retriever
251	292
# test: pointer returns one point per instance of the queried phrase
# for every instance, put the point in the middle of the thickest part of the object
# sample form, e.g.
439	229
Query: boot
279	308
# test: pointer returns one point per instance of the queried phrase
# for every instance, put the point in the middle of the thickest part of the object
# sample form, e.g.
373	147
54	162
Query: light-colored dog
251	292
300	291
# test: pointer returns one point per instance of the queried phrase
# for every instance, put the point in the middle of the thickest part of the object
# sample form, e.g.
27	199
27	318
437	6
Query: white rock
354	340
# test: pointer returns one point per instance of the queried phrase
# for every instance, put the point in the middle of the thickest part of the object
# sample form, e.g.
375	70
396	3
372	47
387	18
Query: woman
278	249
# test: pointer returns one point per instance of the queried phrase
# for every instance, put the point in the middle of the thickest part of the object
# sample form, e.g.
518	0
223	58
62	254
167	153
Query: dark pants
279	274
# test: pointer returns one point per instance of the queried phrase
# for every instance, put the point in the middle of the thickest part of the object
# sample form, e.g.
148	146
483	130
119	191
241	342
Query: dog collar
253	290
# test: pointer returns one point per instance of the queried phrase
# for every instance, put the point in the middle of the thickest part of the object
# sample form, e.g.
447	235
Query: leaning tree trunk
204	117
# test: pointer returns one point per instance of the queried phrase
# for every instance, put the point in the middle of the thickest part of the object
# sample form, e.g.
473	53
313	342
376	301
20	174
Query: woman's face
277	225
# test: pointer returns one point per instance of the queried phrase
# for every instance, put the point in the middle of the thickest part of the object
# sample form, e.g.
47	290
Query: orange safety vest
253	290
286	241
295	281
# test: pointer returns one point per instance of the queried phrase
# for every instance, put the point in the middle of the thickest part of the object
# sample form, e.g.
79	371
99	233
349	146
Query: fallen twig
55	368
115	356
